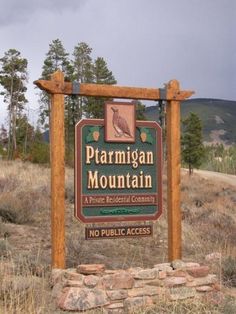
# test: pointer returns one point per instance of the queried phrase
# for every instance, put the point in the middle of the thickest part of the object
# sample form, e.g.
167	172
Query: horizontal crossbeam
112	91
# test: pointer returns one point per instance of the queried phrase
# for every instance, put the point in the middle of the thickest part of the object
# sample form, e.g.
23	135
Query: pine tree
192	142
3	141
56	59
102	75
13	79
25	135
82	65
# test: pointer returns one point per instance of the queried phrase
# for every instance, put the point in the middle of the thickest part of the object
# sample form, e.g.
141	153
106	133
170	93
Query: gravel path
227	178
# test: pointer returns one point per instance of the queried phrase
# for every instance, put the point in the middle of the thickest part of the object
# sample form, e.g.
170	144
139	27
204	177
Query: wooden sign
120	180
172	94
98	233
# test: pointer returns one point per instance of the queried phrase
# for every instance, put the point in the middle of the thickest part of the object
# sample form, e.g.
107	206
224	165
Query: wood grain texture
58	177
173	177
111	91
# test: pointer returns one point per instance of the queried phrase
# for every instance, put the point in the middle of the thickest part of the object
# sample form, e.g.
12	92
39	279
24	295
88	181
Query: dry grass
208	208
24	287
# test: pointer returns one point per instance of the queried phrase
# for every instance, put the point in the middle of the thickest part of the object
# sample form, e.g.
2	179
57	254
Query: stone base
119	291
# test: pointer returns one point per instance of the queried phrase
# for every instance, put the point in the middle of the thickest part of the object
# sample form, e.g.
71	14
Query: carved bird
120	124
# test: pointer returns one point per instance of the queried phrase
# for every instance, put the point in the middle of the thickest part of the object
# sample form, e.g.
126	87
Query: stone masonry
120	291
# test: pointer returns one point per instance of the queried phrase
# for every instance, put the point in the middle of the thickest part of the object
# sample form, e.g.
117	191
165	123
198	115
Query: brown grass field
208	225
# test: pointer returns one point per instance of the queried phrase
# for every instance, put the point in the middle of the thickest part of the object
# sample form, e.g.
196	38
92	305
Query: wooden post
57	146
173	175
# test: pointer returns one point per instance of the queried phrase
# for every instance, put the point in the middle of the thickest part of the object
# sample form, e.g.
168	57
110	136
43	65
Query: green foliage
56	58
40	150
192	145
102	75
220	158
13	76
140	110
13	79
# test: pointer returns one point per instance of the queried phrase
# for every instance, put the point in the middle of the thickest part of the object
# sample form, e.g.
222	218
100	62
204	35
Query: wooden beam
57	146
110	91
173	176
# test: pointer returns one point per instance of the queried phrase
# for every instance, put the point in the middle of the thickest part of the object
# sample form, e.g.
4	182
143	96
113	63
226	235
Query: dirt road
227	178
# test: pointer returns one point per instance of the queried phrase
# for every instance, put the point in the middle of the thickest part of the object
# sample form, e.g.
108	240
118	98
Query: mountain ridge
218	118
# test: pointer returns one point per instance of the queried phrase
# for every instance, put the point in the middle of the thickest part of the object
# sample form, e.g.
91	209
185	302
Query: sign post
173	175
172	94
57	139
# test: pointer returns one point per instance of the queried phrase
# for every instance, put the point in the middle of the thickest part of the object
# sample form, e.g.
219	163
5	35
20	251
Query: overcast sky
146	43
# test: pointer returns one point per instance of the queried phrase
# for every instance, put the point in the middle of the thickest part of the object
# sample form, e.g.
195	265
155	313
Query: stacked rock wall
119	291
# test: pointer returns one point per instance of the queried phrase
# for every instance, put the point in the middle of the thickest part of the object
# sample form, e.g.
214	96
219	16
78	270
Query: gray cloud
20	11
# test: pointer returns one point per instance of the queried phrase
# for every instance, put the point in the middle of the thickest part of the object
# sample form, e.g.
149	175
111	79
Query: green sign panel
117	181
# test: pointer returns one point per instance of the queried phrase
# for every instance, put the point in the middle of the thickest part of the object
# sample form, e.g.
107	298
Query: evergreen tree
82	65
25	135
192	142
3	141
56	59
102	75
13	79
140	110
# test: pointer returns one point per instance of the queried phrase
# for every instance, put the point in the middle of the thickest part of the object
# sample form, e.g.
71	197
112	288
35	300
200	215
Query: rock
146	274
175	281
181	293
204	289
73	275
155	283
217	286
149	291
191	264
91	269
117	305
213	257
201	271
73	283
132	303
162	274
208	280
177	273
178	264
163	266
119	280
57	290
117	294
134	270
57	275
139	283
91	281
110	271
114	308
76	299
113	311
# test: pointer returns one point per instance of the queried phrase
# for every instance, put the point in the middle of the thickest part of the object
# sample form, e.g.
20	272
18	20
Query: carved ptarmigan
120	124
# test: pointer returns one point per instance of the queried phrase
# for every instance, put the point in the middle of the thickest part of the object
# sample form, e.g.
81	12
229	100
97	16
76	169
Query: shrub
40	153
229	271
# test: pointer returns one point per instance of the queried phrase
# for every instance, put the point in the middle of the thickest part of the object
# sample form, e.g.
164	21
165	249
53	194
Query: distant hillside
218	118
